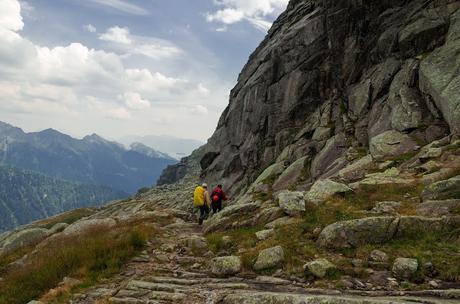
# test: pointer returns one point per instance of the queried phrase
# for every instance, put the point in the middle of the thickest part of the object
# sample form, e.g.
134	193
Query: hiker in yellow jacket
202	200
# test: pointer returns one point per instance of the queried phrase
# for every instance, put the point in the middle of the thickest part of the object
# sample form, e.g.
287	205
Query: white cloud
227	16
121	6
199	110
154	48
134	101
10	15
117	34
203	90
90	28
118	113
254	11
75	87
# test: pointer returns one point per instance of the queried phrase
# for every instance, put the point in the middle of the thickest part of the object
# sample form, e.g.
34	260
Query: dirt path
170	273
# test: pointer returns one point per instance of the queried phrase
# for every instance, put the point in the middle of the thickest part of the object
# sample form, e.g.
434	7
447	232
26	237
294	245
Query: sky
125	67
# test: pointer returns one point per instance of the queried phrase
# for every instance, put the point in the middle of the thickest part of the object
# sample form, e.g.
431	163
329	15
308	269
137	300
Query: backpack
198	196
215	198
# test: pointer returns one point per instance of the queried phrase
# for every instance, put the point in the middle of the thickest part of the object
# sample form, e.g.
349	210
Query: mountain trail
169	272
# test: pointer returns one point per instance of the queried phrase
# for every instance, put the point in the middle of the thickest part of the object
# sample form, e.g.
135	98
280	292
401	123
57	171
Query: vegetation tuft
89	257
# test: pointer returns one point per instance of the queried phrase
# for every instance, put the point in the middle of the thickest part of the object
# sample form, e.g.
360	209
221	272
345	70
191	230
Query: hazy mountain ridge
91	160
173	146
26	196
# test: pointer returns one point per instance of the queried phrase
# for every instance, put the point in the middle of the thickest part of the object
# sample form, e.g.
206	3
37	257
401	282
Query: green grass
89	257
442	249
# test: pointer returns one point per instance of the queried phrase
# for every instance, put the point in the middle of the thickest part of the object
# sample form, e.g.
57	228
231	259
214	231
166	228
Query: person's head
205	185
219	186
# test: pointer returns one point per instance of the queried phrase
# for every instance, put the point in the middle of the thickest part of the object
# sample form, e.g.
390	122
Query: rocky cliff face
332	75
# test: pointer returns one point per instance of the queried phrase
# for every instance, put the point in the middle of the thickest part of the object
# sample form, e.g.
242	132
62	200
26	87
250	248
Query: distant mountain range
26	196
48	172
176	147
91	160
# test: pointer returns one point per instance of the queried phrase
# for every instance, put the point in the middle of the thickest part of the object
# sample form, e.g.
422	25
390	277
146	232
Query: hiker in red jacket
217	196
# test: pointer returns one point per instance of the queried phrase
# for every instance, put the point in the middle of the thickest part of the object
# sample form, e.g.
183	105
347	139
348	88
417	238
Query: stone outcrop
404	268
270	258
335	75
446	189
292	203
226	266
318	268
378	230
324	189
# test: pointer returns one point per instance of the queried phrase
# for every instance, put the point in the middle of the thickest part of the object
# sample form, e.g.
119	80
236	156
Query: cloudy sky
123	67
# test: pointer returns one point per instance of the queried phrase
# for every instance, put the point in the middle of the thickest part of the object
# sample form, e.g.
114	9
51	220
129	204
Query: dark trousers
204	211
216	206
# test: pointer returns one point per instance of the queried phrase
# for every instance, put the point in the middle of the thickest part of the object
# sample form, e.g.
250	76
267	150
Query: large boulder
267	215
404	268
378	230
265	234
23	238
391	143
439	77
225	266
270	258
390	176
88	225
318	268
354	233
324	189
291	175
438	208
446	189
292	203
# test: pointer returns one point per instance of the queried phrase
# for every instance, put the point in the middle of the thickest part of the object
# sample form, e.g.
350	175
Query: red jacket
220	193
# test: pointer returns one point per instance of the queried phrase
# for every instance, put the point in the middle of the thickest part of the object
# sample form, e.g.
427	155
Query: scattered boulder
268	215
270	258
378	256
292	203
390	176
378	230
438	208
429	153
225	266
391	143
283	221
23	238
318	268
411	226
84	226
357	169
446	189
265	234
386	207
324	189
346	234
404	268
